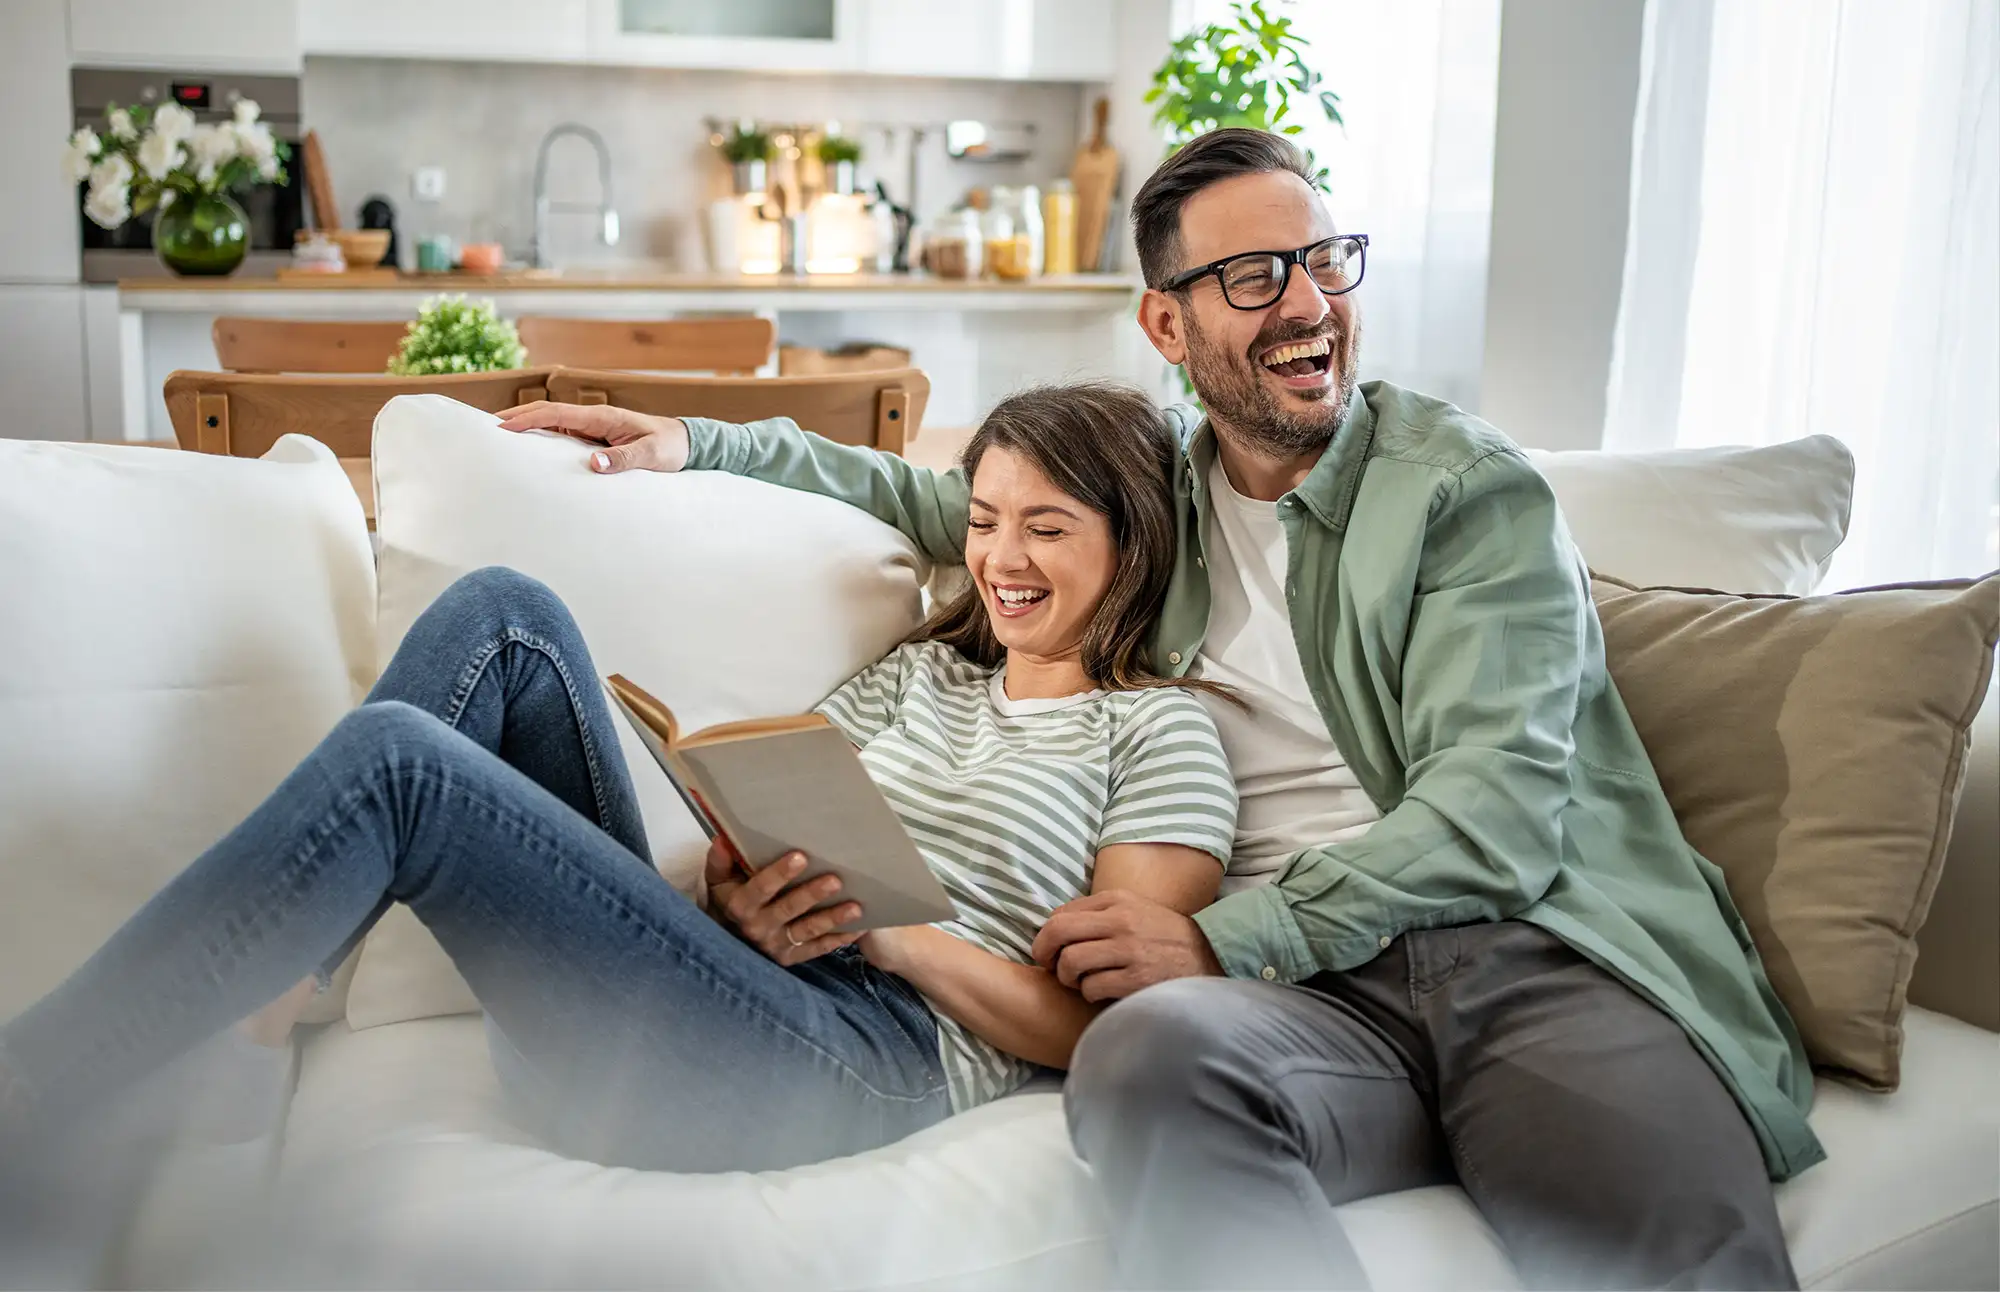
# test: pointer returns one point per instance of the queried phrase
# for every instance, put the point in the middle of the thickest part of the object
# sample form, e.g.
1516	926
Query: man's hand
770	913
633	441
1109	945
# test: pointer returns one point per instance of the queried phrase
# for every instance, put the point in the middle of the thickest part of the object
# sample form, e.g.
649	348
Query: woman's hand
633	441
771	913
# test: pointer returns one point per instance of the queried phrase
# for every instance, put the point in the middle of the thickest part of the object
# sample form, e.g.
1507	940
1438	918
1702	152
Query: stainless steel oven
276	211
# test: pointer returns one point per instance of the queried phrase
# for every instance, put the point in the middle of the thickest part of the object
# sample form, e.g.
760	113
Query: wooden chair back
243	414
737	346
296	345
881	410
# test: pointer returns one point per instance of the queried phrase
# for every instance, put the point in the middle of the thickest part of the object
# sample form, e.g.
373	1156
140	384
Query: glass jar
954	245
1013	234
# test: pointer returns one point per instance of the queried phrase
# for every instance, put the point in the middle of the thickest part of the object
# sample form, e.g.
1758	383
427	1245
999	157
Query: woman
1020	737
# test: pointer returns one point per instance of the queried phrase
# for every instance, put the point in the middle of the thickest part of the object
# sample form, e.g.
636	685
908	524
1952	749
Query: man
1462	939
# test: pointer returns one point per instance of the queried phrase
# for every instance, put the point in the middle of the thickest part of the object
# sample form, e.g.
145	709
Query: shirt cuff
716	446
1254	935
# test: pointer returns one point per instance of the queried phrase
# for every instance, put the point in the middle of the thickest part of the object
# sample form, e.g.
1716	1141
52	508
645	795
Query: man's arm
929	507
1491	669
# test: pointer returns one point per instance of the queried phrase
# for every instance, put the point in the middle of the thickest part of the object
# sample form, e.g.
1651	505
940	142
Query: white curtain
1815	248
1413	169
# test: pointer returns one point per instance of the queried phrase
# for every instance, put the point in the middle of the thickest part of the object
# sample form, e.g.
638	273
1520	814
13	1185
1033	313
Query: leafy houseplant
161	159
835	149
747	144
1250	71
452	334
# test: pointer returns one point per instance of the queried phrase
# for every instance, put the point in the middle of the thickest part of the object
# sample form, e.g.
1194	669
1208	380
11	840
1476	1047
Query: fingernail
795	863
602	461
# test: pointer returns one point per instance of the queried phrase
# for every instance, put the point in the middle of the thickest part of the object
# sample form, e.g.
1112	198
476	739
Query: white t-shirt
1294	789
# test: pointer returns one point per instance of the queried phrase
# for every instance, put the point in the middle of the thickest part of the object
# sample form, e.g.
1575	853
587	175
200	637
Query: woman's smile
1017	600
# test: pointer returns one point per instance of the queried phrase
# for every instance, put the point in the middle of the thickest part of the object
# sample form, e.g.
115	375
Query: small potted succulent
162	160
749	150
838	155
452	334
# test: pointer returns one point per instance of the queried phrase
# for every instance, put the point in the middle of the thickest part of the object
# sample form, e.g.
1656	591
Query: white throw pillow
1762	520
725	597
176	631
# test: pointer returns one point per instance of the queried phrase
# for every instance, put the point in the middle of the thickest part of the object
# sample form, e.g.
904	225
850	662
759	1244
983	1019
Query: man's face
1281	408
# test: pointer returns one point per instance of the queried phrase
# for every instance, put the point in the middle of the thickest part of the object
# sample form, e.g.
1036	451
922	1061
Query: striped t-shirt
1010	800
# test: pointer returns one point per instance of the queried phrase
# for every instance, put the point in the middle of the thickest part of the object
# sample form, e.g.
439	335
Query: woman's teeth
1019	596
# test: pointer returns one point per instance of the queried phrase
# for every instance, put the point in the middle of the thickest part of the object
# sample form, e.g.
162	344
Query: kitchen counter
625	291
977	339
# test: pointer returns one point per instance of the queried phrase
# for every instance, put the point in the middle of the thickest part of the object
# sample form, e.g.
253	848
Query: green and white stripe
1010	801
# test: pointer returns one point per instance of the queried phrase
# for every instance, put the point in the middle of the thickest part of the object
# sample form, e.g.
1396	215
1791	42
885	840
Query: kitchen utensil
1095	174
319	185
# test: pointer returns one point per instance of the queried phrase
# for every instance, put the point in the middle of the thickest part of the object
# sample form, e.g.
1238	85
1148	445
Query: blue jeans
482	786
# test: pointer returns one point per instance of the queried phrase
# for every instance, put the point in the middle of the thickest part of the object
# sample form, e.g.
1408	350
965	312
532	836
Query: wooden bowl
361	248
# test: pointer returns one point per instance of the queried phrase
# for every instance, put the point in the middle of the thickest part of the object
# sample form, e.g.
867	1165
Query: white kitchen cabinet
528	31
41	362
196	35
753	35
38	229
1022	40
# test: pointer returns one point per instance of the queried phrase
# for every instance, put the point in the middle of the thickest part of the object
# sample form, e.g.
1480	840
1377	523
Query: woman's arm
1023	1009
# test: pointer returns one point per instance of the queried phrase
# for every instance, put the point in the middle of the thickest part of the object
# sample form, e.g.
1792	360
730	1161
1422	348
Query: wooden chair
292	345
879	409
243	414
737	346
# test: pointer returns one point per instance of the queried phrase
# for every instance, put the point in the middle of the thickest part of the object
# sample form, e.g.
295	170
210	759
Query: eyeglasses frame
1294	259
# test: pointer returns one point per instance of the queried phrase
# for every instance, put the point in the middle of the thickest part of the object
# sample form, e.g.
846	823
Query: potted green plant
452	334
1249	71
749	150
838	154
162	160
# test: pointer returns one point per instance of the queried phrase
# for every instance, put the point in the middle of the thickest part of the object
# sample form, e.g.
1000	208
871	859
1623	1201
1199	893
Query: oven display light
191	94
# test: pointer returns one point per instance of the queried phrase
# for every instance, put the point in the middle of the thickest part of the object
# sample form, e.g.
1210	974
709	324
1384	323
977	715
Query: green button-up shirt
1444	621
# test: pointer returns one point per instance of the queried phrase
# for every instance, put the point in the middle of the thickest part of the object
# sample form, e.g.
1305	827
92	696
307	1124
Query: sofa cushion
404	1170
177	631
1745	519
1814	749
725	597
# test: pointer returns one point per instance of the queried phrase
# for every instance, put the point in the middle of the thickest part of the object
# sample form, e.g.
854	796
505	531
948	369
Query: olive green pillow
1814	748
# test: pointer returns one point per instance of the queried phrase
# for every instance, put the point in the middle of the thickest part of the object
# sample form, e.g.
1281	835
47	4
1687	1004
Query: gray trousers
1224	1121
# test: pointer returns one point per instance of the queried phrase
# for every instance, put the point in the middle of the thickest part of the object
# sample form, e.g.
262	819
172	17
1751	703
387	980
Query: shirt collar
1329	488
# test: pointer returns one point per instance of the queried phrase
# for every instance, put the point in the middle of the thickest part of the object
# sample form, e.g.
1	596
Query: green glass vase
207	234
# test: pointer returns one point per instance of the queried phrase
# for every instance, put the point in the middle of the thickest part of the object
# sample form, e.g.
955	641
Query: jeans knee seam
469	680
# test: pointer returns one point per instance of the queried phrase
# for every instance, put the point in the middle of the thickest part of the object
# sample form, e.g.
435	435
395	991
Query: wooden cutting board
319	185
1095	174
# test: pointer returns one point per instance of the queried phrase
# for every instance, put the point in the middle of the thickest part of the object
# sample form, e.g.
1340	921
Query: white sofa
179	629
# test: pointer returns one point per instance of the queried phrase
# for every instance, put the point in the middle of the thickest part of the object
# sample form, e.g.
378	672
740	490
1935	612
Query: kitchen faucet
539	254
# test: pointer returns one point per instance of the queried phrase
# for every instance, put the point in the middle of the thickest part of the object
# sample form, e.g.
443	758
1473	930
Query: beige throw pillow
1814	749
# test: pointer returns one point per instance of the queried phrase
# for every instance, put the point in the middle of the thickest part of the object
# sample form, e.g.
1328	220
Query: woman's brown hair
1109	447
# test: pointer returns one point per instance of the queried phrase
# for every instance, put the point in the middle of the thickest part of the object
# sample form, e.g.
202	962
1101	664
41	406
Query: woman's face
1040	559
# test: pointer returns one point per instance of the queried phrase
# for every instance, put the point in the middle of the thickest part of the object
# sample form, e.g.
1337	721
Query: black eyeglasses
1252	280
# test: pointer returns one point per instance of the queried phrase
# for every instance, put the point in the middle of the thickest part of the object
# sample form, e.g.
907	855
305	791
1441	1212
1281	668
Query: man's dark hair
1217	155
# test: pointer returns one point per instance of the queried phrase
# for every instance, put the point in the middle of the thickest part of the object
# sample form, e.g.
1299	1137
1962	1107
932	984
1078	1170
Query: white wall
1562	163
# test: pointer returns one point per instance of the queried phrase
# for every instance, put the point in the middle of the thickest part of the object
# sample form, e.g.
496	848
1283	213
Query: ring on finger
789	938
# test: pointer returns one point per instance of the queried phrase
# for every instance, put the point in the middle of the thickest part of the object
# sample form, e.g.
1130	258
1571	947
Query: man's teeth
1020	596
1297	350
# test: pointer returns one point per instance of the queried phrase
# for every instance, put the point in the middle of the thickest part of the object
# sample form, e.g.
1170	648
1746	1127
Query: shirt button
1173	657
1268	974
1200	564
1383	943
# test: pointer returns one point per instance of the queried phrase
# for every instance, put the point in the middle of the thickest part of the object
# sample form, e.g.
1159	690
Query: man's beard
1231	391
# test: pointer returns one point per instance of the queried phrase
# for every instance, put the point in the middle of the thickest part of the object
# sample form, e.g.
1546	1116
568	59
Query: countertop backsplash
379	120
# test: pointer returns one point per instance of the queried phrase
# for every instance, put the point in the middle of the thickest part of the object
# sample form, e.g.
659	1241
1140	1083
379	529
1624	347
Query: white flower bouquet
153	157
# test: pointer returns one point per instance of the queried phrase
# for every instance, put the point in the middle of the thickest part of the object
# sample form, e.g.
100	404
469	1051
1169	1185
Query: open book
770	786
